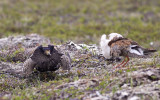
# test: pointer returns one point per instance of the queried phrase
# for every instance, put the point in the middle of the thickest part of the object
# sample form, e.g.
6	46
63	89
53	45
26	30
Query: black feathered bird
46	59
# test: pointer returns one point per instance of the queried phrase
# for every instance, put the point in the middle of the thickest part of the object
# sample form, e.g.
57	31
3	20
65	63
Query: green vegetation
81	20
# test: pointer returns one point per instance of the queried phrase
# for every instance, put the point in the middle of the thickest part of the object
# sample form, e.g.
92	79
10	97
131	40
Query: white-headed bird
116	45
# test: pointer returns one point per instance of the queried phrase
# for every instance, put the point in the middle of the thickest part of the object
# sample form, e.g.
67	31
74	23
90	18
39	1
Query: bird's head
47	51
113	35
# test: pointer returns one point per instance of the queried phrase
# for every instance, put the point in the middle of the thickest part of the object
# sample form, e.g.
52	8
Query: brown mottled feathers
66	61
121	41
120	46
28	67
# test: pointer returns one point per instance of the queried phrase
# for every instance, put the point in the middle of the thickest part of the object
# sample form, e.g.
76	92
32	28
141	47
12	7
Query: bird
106	49
46	59
116	45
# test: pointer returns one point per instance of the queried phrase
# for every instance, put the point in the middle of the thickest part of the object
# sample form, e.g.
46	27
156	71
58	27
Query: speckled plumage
66	61
116	45
28	67
122	47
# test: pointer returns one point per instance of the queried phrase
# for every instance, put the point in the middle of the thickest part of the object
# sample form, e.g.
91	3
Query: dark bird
45	59
117	46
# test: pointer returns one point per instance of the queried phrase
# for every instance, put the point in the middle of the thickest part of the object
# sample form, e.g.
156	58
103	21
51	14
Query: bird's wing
116	39
66	62
124	47
28	67
127	47
117	45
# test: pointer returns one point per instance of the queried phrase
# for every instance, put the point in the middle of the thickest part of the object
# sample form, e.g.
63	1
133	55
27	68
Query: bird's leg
120	63
126	61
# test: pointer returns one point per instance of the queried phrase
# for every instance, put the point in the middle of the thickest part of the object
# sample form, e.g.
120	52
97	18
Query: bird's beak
47	52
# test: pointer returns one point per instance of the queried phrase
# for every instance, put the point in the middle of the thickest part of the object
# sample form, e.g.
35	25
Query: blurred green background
82	21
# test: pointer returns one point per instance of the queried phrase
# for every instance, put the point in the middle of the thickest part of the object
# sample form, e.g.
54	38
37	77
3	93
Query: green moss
3	59
154	77
20	50
131	69
114	89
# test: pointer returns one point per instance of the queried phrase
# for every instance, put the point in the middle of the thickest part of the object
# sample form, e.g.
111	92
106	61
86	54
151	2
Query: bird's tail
147	51
140	51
